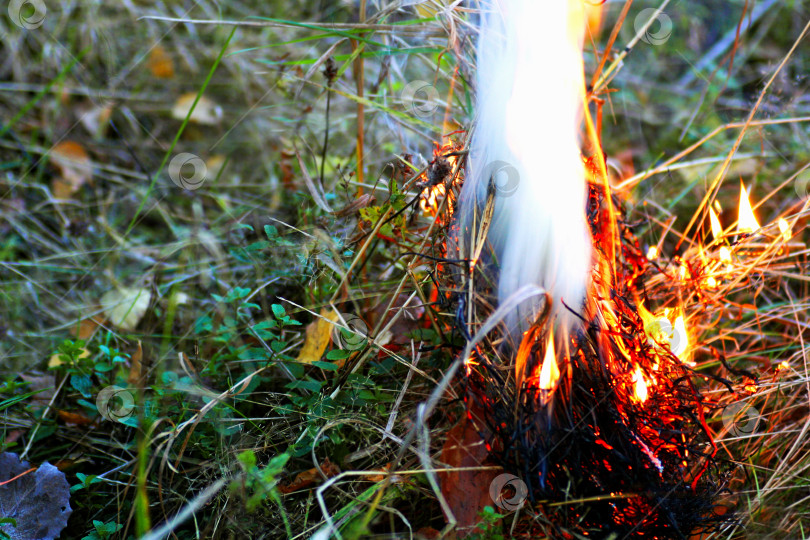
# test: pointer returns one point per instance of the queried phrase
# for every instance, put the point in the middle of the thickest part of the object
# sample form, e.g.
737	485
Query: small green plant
261	483
103	530
490	527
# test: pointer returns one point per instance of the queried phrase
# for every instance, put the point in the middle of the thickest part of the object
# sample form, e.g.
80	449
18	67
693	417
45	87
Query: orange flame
639	385
784	229
549	373
432	196
717	229
679	341
430	200
746	220
662	330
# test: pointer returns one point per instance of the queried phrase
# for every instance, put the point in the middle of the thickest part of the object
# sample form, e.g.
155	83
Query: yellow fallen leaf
160	63
126	307
319	334
74	166
55	361
428	9
206	112
213	165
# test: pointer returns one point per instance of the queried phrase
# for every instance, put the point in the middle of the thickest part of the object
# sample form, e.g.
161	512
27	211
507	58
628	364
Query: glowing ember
683	271
639	385
746	220
435	180
711	282
549	373
725	254
717	230
652	253
430	199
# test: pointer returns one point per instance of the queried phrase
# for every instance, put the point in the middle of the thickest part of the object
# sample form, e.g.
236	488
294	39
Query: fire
725	254
639	385
660	329
679	341
746	220
717	229
683	271
549	373
784	229
434	179
430	199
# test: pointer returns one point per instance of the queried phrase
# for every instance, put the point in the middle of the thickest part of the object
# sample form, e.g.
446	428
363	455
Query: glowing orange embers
746	220
439	175
429	202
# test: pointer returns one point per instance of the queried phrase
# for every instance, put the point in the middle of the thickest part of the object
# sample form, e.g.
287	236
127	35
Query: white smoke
529	88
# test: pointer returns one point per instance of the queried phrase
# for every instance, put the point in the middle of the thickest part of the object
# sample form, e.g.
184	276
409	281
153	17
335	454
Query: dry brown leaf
319	334
126	307
307	478
383	473
160	63
206	112
74	418
136	365
87	327
353	207
466	491
74	166
95	119
61	189
14	436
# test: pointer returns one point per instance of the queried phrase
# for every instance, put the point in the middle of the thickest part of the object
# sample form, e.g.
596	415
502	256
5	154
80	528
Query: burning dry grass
706	391
705	388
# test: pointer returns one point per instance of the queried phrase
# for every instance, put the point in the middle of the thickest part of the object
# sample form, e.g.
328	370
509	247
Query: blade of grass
179	132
